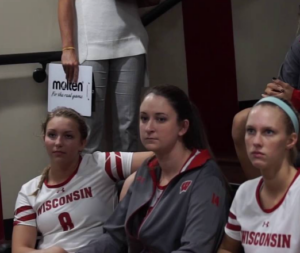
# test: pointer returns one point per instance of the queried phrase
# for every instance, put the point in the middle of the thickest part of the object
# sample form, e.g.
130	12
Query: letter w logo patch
185	186
215	199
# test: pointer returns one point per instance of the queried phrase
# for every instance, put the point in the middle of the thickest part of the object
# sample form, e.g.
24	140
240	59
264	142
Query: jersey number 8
65	221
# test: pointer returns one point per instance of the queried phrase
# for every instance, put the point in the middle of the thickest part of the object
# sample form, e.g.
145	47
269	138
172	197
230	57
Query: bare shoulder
130	179
127	185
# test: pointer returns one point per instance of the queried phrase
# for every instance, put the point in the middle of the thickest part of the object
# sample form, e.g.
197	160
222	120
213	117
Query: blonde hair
69	114
44	177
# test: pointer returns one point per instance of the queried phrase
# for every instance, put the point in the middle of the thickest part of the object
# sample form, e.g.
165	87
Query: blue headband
286	108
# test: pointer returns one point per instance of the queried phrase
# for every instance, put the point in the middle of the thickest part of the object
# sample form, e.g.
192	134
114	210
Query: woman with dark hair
178	200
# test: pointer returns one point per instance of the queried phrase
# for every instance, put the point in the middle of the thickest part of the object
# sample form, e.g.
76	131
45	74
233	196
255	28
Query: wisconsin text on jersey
266	239
74	196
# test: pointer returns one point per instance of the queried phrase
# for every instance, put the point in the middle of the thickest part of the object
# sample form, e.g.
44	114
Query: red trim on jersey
162	187
27	217
191	155
232	216
119	166
108	167
154	178
16	223
198	160
270	210
233	227
153	163
187	160
66	181
149	209
156	181
22	209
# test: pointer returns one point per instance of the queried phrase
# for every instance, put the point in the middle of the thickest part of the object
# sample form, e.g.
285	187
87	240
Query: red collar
67	180
196	159
270	210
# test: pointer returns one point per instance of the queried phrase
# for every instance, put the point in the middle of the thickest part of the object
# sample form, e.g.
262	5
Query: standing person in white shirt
75	194
264	216
109	36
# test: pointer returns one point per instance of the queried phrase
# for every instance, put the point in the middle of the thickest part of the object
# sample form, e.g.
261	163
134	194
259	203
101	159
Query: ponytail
44	177
196	135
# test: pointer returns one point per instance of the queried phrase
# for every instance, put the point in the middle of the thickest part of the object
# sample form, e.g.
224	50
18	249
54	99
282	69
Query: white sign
77	96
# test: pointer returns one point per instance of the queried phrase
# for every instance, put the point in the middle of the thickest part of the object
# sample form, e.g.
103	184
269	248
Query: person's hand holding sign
70	63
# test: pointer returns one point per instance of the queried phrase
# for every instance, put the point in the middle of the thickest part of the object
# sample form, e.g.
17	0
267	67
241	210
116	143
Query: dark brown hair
195	137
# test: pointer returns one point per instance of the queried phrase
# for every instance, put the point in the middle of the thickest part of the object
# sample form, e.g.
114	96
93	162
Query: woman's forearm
66	10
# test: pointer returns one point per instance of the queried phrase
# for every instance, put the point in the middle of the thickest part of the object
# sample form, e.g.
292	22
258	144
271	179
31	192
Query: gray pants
125	78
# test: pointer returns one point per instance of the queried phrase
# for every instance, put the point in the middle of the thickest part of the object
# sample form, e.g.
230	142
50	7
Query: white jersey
260	230
71	214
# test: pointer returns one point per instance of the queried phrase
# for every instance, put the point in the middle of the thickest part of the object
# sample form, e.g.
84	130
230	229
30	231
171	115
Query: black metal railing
8	59
44	58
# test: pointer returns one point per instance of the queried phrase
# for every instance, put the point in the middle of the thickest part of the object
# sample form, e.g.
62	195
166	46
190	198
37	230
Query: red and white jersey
71	214
260	230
